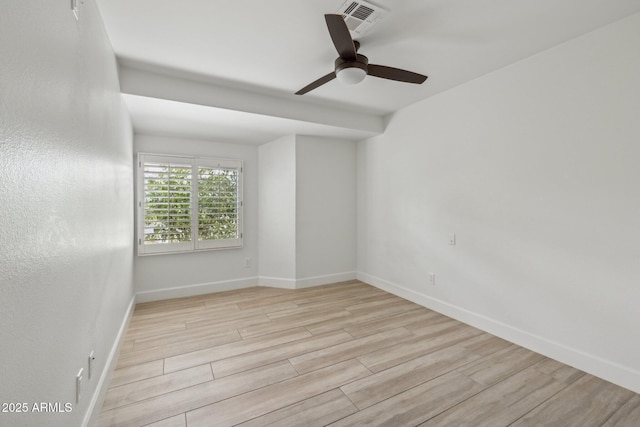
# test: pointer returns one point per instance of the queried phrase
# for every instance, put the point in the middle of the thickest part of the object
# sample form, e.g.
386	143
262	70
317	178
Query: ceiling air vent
360	16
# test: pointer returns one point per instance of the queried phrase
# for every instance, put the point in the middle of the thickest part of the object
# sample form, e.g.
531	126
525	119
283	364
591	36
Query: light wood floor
341	355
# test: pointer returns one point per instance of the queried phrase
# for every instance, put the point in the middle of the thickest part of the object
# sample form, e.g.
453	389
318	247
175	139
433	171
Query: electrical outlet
247	263
92	359
79	379
432	279
452	239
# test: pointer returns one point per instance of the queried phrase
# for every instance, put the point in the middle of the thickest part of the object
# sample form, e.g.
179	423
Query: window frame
195	244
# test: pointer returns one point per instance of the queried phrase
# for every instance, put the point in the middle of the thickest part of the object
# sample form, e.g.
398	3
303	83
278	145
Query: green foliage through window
217	203
167	203
182	197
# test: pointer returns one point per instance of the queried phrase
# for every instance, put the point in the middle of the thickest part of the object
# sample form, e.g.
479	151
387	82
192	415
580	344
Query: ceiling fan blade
322	80
395	74
341	37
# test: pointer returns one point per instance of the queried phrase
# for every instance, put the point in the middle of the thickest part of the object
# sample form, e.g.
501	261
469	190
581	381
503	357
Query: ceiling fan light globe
351	75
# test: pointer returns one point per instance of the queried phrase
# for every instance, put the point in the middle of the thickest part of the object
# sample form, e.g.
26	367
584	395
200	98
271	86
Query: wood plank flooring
342	355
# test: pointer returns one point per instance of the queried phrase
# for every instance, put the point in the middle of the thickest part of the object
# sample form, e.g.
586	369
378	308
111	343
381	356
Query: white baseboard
326	279
277	282
245	282
198	289
610	371
307	282
93	412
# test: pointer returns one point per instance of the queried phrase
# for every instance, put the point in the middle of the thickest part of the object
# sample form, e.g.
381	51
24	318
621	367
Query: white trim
95	405
193	163
306	282
197	289
610	371
277	282
326	279
245	282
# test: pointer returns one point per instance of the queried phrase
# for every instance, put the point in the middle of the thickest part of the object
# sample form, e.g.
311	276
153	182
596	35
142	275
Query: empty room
319	213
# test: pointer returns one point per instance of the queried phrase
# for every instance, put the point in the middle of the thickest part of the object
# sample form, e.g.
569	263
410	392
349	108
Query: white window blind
188	203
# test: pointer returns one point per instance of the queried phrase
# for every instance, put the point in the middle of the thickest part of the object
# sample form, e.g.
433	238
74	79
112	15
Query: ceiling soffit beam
135	81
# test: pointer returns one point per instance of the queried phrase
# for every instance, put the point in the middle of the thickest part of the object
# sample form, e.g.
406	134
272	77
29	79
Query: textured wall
277	210
66	219
307	207
325	208
535	168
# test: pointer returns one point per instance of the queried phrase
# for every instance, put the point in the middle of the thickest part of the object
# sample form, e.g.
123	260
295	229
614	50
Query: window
188	204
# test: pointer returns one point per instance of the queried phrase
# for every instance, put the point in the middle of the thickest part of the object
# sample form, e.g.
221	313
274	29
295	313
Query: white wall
307	211
535	167
325	209
177	275
65	213
277	212
299	219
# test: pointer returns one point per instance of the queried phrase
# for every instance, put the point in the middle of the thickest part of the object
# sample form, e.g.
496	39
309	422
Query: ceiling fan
350	66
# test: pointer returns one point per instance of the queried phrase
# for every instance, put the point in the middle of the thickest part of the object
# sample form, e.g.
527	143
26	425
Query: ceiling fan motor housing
352	72
351	68
361	62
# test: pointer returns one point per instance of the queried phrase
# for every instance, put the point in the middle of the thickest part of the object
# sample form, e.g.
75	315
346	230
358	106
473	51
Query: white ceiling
227	70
